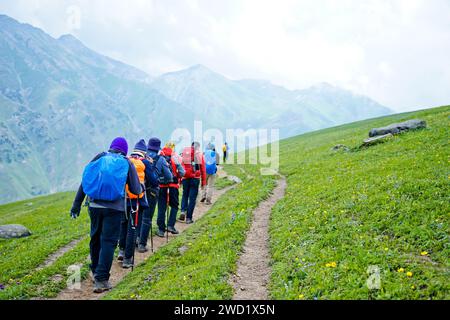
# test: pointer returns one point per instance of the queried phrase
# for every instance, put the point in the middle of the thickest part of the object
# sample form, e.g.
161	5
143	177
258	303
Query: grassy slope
48	219
382	206
212	245
378	206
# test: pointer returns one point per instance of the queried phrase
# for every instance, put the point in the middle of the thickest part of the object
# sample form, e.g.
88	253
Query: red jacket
175	161
200	159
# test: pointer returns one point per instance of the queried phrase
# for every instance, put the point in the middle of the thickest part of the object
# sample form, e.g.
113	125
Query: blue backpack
153	181
105	178
210	160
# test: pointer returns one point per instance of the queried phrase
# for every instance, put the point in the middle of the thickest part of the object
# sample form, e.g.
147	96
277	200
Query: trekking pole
167	215
151	234
134	223
151	224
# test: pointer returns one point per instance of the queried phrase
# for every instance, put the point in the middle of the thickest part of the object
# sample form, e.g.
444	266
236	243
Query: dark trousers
190	192
105	229
128	233
225	156
162	207
143	230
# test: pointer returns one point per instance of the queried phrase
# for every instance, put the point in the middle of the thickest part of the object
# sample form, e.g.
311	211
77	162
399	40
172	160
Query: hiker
225	150
164	174
212	160
194	165
135	205
103	182
169	192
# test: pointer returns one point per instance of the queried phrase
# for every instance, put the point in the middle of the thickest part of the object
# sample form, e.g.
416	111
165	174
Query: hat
170	145
119	144
140	147
154	144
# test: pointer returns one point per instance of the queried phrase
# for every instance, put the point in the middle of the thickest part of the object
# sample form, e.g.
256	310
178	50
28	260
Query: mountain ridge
62	102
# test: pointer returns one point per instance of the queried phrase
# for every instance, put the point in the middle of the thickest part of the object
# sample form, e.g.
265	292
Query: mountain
260	104
211	96
62	102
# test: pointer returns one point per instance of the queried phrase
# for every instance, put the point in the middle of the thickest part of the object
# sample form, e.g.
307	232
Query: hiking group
122	194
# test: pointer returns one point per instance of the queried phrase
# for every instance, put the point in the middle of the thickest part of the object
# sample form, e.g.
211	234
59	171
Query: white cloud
395	51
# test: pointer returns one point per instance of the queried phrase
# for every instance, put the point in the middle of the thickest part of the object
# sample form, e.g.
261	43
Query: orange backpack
140	168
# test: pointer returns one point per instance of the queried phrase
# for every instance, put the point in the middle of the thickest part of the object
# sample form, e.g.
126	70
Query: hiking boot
203	200
189	221
182	216
127	263
172	230
142	248
160	233
102	286
121	255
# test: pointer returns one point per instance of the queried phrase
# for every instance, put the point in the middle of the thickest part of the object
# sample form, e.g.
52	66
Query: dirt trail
253	271
59	253
118	273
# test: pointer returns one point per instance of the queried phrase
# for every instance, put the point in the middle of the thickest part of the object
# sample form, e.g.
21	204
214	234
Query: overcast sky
395	51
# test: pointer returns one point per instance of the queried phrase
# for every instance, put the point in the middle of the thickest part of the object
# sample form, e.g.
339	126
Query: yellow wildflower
401	270
409	274
424	253
301	296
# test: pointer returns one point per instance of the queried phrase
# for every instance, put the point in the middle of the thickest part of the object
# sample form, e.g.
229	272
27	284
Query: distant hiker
225	150
212	160
169	192
104	180
135	205
162	169
194	165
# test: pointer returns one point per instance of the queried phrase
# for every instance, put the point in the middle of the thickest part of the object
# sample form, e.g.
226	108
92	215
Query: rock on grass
11	231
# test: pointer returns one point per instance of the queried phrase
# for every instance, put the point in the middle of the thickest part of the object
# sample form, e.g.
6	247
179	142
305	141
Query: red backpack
191	161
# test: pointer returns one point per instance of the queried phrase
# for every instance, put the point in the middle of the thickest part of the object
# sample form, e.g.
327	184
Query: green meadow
368	223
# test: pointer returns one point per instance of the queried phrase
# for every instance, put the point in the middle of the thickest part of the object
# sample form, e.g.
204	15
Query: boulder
397	128
377	139
11	231
340	147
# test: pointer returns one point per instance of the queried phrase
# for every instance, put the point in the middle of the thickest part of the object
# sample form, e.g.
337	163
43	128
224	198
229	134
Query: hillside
385	206
260	104
62	102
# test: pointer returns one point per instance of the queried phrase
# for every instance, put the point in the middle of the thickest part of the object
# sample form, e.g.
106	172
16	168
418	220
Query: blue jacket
119	205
